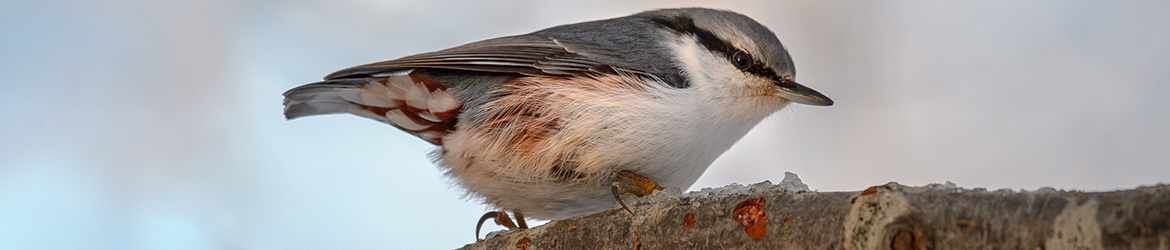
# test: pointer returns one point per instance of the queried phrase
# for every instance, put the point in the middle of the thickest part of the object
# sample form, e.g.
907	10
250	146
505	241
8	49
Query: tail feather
409	100
320	98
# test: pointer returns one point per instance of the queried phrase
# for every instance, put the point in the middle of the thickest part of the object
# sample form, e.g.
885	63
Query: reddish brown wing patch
417	105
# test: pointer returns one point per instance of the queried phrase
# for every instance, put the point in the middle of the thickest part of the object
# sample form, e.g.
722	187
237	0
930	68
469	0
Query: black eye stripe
686	25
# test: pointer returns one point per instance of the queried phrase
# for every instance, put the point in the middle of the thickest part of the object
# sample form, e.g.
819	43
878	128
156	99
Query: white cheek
720	86
705	68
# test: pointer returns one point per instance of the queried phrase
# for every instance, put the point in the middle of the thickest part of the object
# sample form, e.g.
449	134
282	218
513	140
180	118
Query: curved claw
616	195
501	219
488	215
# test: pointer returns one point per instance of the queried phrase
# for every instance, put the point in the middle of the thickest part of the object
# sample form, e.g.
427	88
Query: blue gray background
131	124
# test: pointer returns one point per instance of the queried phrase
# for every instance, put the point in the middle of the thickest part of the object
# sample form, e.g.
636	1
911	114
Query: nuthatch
561	121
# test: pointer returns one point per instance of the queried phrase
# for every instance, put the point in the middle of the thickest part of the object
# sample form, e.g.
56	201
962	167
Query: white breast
552	144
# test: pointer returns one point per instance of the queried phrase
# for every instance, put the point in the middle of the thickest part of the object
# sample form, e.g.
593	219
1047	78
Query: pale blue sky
157	124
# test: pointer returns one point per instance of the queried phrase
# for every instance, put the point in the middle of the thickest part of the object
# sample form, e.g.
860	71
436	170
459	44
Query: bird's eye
741	60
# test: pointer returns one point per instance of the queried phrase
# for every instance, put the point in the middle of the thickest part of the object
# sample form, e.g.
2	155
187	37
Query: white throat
722	104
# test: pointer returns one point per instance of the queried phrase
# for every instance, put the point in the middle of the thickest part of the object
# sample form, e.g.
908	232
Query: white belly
553	146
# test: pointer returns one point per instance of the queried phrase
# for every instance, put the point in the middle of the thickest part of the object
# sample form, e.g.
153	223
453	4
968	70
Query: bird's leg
638	185
520	220
644	186
501	218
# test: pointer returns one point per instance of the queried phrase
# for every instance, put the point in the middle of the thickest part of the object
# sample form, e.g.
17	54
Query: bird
560	122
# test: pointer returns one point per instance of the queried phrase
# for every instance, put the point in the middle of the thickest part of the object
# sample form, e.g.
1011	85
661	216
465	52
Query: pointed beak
800	94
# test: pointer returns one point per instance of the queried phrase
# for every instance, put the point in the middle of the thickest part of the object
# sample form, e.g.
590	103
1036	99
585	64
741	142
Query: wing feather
529	54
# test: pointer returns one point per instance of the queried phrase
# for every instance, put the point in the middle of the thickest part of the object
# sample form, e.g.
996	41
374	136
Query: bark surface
891	216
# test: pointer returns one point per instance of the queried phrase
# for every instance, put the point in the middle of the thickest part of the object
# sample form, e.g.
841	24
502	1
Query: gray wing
530	54
381	91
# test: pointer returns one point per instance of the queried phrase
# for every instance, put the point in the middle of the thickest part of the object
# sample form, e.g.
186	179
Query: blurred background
157	124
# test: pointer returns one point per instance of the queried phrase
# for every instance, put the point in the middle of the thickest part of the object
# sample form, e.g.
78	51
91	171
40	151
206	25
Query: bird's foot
637	185
643	186
501	219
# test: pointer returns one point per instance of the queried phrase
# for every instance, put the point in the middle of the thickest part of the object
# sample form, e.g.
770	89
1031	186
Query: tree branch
889	216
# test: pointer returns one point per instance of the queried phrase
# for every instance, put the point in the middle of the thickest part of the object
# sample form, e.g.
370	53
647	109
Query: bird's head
733	59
